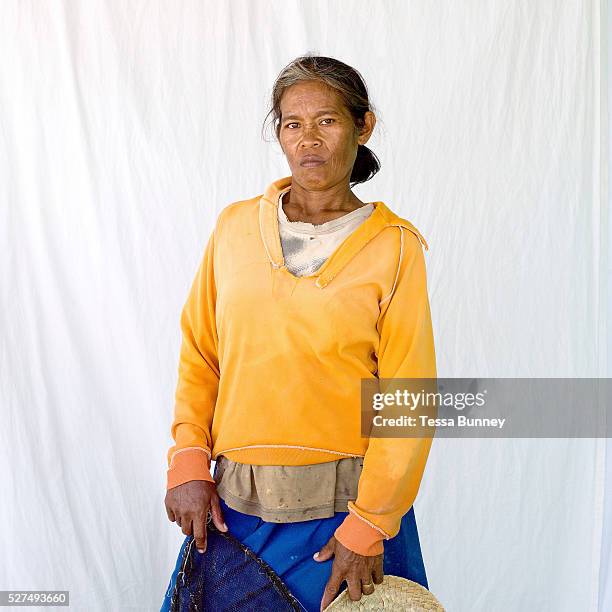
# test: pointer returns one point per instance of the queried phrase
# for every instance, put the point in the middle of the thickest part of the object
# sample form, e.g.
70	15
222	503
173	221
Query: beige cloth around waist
287	494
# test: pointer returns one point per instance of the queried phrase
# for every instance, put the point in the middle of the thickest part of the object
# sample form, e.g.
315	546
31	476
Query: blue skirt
288	549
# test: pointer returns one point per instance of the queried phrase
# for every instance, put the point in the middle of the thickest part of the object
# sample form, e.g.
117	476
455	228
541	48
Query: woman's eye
295	123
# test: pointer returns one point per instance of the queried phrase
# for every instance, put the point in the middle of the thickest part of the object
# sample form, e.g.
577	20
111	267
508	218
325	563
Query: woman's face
314	122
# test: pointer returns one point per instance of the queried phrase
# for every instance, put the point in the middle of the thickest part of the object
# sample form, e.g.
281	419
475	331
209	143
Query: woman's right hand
188	505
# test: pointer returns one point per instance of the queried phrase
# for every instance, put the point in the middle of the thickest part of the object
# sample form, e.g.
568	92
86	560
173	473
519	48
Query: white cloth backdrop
126	126
605	586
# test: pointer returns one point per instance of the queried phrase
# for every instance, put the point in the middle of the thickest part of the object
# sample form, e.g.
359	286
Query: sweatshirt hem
282	454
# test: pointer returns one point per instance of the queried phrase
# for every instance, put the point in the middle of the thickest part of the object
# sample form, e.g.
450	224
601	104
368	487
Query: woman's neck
319	206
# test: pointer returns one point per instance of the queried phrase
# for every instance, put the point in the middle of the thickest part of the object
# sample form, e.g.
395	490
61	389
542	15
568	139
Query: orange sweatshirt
271	364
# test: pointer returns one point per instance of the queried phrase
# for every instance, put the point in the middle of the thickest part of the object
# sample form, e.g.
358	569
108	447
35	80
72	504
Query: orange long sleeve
393	467
198	379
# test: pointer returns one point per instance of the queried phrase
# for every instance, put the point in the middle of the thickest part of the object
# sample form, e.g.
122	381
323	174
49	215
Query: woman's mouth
311	161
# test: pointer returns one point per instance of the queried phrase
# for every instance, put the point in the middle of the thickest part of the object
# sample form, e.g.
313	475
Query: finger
367	584
327	551
186	525
331	589
377	571
217	513
199	535
354	587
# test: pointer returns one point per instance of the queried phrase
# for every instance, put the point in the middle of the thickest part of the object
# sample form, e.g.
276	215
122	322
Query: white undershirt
307	246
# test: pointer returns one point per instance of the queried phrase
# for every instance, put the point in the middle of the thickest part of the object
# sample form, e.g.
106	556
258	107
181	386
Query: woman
302	292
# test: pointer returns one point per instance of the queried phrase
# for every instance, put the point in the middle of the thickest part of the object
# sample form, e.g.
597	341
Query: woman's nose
310	137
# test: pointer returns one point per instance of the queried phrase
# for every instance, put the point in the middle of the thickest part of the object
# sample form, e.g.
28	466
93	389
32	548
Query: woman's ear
369	121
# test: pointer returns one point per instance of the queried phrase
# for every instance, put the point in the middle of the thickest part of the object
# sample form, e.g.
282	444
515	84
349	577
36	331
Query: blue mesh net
228	577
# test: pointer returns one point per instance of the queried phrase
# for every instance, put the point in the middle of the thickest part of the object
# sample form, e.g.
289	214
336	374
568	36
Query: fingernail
224	527
201	550
315	556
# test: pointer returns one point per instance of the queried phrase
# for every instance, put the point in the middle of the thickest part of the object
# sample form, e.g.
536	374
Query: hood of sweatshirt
380	218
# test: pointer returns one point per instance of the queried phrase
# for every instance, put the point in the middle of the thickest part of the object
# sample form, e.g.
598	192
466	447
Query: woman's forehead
310	97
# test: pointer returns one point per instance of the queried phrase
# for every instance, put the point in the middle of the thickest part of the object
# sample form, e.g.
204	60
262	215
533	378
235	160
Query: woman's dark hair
348	83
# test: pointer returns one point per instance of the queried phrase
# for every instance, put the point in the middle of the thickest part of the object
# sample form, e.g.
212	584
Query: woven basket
394	593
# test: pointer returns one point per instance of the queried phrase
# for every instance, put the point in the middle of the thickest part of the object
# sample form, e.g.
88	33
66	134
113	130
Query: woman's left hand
360	572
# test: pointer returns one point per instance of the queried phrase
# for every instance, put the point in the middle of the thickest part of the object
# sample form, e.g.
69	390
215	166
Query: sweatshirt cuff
188	464
357	535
